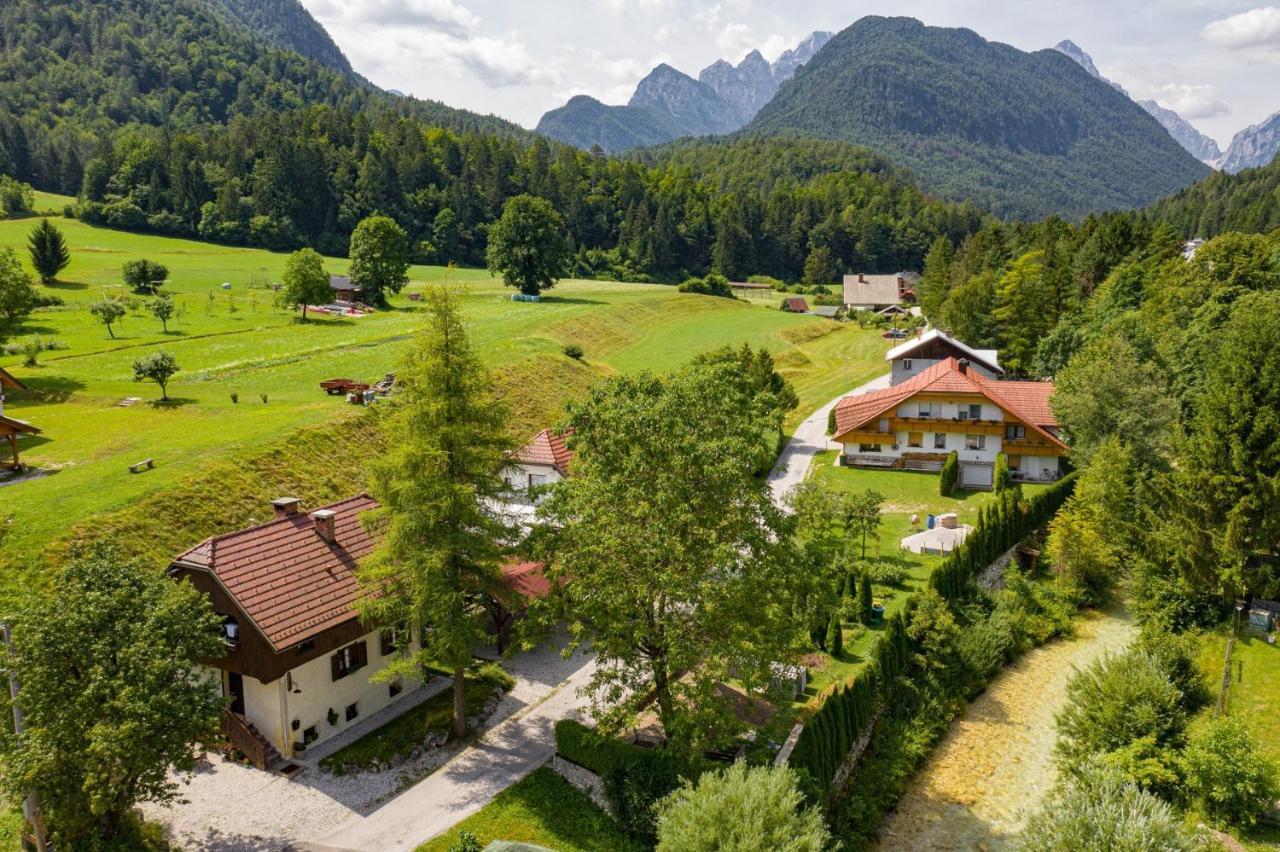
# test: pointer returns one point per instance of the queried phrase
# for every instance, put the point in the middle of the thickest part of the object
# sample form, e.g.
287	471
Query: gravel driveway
234	808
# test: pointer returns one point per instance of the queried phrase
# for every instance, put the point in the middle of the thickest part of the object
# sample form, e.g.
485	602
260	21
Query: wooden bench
145	464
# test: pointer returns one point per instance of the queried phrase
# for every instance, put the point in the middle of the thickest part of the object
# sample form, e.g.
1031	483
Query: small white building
543	461
914	356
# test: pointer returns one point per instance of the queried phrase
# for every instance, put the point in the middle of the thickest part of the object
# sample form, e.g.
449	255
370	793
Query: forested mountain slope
1021	134
286	24
72	71
1248	202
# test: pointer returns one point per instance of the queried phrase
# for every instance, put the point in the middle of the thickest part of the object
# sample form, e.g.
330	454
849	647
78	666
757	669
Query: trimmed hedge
950	474
1001	524
837	725
592	750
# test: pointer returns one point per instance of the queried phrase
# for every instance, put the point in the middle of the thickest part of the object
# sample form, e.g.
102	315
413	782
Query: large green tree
17	294
529	245
144	276
742	809
379	253
113	695
667	553
305	281
48	250
158	367
1225	483
441	553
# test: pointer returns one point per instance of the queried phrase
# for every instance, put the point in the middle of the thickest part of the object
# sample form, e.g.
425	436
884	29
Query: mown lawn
237	342
1254	694
407	731
546	810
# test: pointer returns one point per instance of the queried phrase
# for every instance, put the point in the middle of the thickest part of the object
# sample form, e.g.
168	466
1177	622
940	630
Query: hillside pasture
235	347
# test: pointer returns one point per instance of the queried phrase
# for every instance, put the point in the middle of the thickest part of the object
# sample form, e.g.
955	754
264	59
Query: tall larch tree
442	549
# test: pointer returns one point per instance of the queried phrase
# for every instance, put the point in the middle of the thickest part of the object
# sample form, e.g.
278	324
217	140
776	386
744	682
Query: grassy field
543	809
249	372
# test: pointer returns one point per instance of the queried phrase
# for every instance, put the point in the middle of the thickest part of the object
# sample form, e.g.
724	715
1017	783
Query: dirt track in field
996	763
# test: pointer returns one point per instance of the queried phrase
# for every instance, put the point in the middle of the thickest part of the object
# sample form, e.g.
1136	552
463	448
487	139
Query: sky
1216	62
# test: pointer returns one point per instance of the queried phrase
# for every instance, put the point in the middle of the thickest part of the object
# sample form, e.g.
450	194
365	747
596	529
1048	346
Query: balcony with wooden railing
1031	447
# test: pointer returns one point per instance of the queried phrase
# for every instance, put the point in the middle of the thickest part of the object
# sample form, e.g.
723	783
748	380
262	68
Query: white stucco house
953	407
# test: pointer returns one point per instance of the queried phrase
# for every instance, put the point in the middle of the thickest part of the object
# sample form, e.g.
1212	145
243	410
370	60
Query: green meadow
247	397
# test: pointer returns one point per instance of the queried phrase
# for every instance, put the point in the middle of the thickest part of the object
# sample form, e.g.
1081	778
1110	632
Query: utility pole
31	804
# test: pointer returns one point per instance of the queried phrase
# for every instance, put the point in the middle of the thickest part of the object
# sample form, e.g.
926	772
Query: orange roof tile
547	448
527	579
1027	401
8	380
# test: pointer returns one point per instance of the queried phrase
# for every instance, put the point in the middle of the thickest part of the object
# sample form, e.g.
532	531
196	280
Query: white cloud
1257	29
644	7
440	15
1191	101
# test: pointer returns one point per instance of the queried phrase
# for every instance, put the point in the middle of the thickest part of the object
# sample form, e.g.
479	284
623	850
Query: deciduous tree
157	367
668	556
163	309
305	281
108	312
113	693
145	276
379	253
528	245
441	554
17	294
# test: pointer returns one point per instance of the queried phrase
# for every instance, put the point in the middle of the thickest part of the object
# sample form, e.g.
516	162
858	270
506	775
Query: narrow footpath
995	765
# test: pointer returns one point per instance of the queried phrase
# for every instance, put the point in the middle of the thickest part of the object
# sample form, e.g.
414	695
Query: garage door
977	476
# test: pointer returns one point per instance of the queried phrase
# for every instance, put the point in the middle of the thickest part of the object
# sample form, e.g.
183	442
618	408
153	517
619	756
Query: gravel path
995	765
234	808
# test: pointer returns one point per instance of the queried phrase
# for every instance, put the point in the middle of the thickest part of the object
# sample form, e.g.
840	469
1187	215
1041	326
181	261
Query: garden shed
1264	615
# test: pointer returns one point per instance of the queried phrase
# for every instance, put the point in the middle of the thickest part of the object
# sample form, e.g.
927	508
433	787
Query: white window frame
975	442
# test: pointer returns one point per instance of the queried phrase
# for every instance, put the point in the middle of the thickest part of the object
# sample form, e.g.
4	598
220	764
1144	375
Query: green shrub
1002	481
635	790
1115	703
950	474
492	674
741	810
1099	810
712	285
835	635
886	573
1230	779
865	600
574	351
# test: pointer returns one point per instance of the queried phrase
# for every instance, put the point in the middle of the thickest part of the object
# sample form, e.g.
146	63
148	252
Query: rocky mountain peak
1253	147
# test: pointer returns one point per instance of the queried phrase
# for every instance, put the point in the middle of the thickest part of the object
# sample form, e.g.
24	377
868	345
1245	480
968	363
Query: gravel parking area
234	808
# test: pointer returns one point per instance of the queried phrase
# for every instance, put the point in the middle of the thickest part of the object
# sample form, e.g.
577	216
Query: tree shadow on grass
28	328
67	285
172	402
48	389
569	300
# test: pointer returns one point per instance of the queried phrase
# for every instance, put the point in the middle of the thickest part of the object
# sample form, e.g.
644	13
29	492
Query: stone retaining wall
584	779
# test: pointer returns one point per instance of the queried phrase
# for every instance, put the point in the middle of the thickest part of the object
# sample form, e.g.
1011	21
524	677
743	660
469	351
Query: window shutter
335	665
360	655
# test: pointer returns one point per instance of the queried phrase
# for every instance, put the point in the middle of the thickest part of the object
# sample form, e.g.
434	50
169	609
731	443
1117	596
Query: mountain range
1021	134
1251	148
669	104
1196	143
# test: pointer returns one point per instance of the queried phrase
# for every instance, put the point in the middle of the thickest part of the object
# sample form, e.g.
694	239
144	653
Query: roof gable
935	338
8	380
547	448
291	582
1027	401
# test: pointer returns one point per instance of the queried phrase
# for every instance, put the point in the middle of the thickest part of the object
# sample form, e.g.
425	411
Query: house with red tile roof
543	461
299	664
953	407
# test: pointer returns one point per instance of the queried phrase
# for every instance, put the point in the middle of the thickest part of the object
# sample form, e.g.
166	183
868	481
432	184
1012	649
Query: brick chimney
286	507
323	519
862	279
964	365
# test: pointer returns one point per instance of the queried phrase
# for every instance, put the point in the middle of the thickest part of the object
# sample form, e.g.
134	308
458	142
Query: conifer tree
48	248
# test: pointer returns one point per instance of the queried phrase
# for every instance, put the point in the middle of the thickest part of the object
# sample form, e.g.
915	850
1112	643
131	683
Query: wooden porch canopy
10	429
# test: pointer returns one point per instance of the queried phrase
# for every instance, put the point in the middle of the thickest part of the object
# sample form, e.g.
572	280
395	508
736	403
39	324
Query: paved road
463	786
809	439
